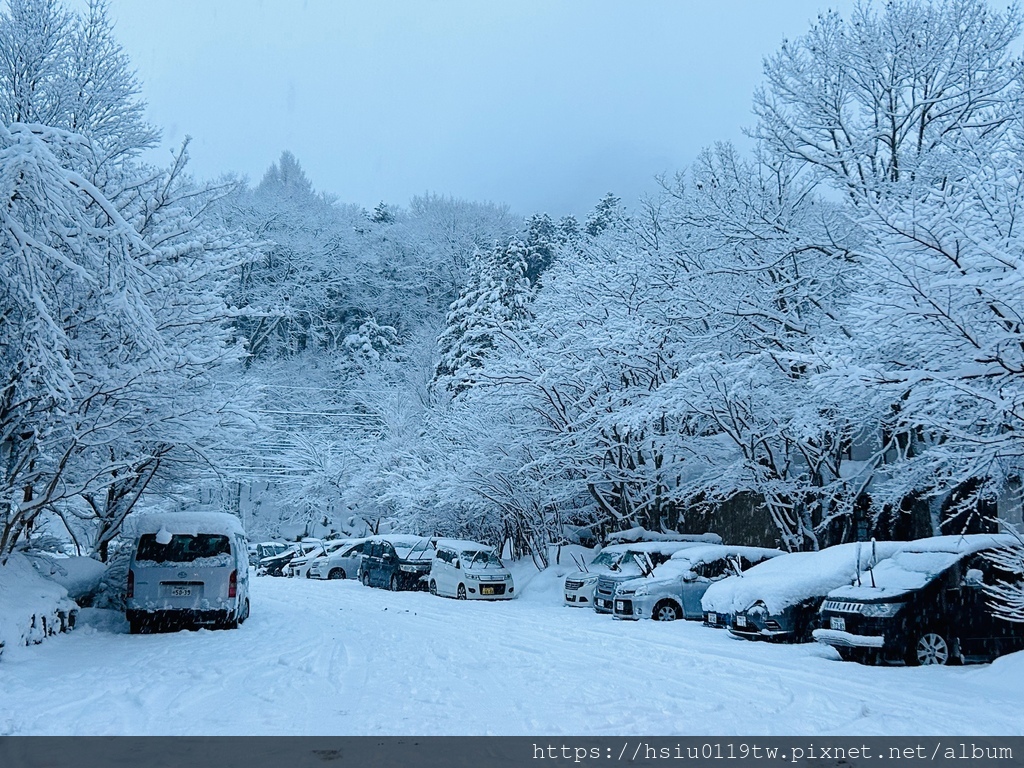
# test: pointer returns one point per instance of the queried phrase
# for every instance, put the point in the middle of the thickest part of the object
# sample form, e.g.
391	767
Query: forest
815	341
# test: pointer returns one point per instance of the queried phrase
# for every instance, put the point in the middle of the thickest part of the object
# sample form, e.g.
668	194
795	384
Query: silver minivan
187	569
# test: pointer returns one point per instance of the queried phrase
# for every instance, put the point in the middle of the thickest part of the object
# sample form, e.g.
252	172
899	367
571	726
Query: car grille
499	589
605	588
841	606
573	584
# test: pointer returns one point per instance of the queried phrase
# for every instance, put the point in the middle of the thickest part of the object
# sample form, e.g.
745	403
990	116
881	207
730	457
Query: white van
187	568
469	571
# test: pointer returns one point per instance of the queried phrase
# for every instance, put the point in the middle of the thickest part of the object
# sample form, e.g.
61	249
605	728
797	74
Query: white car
674	589
342	563
307	550
468	570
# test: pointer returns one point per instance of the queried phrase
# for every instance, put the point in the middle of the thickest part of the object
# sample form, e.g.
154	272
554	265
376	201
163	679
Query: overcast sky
541	104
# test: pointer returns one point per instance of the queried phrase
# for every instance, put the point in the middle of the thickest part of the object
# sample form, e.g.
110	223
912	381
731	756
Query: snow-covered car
468	570
187	568
397	562
930	603
637	559
779	599
578	588
264	549
277	565
342	563
673	590
300	565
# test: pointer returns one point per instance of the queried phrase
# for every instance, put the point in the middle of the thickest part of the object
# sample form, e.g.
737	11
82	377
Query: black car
397	562
927	604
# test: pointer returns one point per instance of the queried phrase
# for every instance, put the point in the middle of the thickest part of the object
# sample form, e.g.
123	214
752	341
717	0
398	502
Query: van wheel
461	595
336	573
366	579
929	648
394	583
245	612
665	612
433	587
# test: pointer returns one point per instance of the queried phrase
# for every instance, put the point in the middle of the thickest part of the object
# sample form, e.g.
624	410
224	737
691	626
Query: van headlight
473	576
880	610
641	590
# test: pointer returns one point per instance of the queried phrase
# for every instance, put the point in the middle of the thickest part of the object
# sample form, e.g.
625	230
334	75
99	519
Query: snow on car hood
916	564
792	578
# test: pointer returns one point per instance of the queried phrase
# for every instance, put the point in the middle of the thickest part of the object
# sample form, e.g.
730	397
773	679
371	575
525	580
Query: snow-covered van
467	570
187	568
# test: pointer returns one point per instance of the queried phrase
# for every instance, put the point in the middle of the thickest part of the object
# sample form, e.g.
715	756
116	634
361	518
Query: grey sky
542	104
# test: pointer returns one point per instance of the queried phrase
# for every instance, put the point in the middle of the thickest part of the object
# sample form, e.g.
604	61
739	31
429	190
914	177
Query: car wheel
930	648
336	573
665	612
394	583
432	587
366	579
245	612
461	594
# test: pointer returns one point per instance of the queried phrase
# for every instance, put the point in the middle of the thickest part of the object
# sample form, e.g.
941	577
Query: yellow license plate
486	590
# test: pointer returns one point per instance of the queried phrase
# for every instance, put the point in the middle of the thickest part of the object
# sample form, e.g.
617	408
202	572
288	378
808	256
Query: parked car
342	563
469	571
927	604
578	588
779	599
673	589
277	565
187	568
637	560
397	562
299	565
264	549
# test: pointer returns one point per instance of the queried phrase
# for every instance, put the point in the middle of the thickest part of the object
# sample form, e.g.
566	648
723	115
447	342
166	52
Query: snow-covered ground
336	658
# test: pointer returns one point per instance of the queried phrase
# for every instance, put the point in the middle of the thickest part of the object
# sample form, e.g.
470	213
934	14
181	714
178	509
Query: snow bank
80	576
794	577
184	523
32	606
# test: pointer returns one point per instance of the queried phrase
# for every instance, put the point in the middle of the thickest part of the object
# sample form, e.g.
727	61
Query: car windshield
420	550
607	559
484	558
182	548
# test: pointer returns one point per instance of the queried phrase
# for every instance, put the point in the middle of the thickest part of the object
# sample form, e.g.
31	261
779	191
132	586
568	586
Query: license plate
181	592
486	590
605	603
741	621
619	605
712	618
837	623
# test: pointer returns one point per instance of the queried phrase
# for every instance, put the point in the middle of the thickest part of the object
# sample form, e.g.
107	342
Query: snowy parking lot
337	658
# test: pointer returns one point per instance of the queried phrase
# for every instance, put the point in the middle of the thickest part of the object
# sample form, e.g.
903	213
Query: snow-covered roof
464	545
185	523
664	547
686	560
794	577
639	533
917	563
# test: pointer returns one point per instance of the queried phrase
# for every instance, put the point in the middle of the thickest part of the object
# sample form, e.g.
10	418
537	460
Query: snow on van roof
185	523
917	563
464	545
794	577
638	533
664	547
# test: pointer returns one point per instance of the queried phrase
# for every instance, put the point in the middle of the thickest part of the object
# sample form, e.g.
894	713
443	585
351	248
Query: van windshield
481	559
182	548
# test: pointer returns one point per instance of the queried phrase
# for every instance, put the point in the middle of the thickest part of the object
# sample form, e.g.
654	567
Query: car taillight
233	585
131	583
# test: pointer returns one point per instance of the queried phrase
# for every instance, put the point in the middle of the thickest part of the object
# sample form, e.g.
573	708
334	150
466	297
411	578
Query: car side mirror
458	565
974	578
